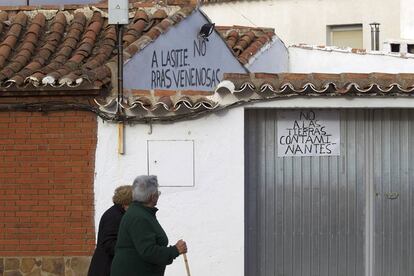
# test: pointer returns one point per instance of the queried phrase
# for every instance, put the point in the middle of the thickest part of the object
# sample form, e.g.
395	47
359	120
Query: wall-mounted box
172	161
118	12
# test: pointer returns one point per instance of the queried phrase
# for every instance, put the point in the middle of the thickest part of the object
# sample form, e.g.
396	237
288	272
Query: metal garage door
393	182
307	215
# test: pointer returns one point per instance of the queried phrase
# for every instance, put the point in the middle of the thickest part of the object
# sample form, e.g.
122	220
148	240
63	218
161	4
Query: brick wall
46	183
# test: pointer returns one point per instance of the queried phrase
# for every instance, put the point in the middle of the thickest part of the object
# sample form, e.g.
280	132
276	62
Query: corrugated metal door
346	215
393	176
304	215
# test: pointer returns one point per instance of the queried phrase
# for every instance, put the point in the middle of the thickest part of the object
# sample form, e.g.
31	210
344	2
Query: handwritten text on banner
308	133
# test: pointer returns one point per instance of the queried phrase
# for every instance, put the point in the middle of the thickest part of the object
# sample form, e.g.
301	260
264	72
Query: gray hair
143	187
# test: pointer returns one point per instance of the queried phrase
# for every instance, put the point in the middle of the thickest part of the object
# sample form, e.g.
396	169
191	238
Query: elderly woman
142	247
108	232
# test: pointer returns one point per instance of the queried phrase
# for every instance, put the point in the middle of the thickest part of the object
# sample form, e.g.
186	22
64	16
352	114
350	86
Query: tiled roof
40	48
161	103
63	48
151	3
74	48
246	41
145	28
217	1
317	84
237	89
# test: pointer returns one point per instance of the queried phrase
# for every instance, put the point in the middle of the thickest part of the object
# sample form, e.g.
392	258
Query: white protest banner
308	133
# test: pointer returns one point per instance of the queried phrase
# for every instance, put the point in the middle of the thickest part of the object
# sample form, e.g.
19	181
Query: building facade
334	23
244	180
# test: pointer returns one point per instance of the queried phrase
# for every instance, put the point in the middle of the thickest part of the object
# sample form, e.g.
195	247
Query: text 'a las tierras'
307	137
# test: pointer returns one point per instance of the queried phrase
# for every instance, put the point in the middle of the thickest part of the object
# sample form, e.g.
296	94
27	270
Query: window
395	47
410	48
345	36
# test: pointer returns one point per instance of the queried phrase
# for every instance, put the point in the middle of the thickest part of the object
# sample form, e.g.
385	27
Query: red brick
46	183
40	219
7	242
161	93
196	93
41	208
8	208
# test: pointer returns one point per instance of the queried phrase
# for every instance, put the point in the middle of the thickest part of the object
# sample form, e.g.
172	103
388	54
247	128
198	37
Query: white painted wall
311	61
271	59
209	216
407	19
305	21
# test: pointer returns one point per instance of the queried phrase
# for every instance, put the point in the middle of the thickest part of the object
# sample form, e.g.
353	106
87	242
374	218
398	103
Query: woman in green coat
142	247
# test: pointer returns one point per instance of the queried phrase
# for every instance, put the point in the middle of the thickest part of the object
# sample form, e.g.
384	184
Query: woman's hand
181	247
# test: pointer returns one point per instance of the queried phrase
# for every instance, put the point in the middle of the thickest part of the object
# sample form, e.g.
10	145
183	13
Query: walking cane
187	268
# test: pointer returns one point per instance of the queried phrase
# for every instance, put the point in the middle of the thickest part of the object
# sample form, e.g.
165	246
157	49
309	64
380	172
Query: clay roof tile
141	15
159	14
70	44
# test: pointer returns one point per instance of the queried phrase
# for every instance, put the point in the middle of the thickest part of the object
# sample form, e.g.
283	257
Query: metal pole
120	64
120	95
372	37
375	36
377	33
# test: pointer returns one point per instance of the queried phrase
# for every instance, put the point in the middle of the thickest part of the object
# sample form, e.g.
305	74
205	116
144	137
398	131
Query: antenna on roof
118	15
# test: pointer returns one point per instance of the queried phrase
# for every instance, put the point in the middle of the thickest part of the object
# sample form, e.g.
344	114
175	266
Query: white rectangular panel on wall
172	161
118	11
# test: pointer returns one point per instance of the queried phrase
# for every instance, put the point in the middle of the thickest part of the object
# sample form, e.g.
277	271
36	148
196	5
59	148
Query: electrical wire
55	106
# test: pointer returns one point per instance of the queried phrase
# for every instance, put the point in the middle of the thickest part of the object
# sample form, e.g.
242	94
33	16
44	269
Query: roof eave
47	91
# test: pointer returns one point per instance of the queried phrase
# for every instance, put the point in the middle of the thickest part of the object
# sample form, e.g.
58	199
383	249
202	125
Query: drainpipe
375	36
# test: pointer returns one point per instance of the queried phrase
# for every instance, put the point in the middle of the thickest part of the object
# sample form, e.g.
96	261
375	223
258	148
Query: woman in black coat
108	232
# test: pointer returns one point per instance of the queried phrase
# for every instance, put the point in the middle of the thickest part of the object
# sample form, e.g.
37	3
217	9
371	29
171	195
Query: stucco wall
274	59
407	19
305	21
310	61
209	216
